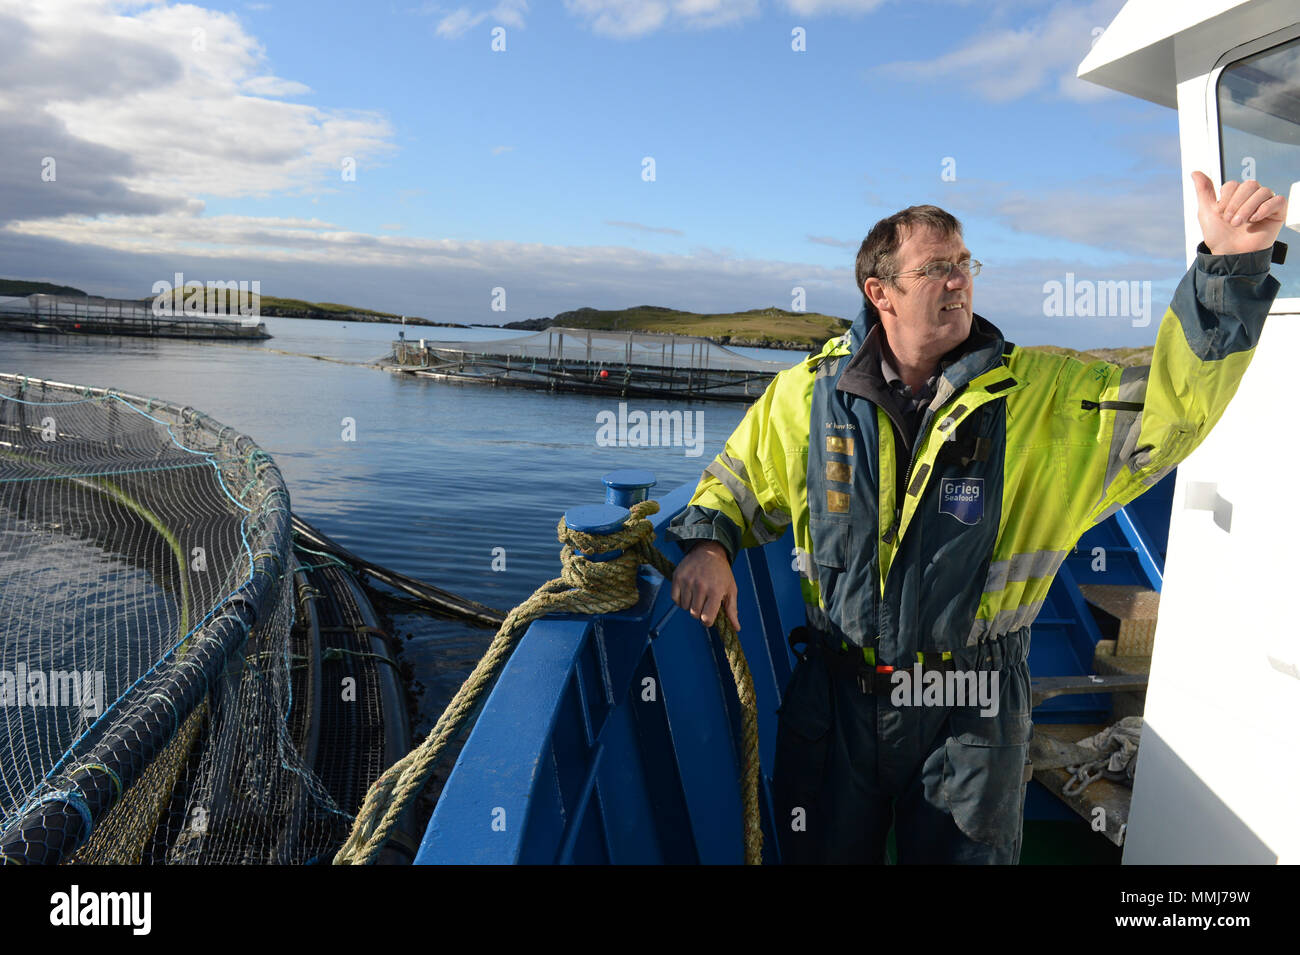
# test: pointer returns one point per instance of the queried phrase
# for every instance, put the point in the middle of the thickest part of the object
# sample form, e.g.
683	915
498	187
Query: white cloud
707	14
157	106
463	19
835	243
625	19
459	22
142	125
664	230
498	150
620	18
816	8
273	86
1012	296
629	19
1012	62
321	261
1143	217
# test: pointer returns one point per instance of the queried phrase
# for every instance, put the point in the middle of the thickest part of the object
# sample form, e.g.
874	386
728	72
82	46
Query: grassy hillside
1119	356
24	288
275	307
771	327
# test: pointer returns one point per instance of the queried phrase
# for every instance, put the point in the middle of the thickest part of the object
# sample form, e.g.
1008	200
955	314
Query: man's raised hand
1246	216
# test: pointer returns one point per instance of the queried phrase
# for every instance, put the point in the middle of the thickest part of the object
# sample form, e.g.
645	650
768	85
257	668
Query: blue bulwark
616	739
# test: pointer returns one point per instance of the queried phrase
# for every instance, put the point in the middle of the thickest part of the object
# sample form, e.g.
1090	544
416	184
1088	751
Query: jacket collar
980	352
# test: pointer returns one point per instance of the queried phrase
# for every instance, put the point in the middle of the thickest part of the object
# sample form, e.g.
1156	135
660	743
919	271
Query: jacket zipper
907	480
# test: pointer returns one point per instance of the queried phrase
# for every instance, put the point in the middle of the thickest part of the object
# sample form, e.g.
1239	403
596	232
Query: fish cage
91	315
169	661
588	361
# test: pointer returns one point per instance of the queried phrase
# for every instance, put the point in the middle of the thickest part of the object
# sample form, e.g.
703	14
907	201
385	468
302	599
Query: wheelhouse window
1259	133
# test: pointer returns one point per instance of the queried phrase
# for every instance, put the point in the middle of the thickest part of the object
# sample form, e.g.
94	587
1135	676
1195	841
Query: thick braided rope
749	734
748	715
584	586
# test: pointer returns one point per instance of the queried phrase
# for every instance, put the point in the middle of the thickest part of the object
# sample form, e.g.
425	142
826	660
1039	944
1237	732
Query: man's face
928	315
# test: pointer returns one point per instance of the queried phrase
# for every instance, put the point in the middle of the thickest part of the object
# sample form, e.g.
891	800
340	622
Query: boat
616	738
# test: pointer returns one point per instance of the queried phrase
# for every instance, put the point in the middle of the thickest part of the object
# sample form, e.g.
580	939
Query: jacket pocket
842	595
985	762
984	789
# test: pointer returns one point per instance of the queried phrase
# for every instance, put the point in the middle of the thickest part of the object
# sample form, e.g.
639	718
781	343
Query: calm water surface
438	476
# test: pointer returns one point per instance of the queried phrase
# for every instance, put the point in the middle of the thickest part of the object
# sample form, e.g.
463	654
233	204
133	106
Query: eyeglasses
942	270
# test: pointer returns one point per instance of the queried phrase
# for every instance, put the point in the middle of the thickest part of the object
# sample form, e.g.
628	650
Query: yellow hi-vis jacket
1019	453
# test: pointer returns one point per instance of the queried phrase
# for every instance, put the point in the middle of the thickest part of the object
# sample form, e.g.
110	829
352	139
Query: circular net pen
154	693
588	361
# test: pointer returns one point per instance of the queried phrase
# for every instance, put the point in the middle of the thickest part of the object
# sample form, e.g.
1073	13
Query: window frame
1278	38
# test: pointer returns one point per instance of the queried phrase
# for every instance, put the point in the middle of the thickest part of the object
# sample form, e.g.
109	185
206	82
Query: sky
490	162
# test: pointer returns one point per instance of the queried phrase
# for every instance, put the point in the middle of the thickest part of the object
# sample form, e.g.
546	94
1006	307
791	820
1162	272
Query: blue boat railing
615	739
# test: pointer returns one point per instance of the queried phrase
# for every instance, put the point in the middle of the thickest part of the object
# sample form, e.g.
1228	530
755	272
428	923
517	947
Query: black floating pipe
442	601
62	819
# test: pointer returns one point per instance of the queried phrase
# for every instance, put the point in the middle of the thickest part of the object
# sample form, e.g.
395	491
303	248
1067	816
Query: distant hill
23	288
756	328
274	307
1123	357
269	305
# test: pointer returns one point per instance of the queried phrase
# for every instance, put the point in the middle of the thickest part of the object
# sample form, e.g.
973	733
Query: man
936	477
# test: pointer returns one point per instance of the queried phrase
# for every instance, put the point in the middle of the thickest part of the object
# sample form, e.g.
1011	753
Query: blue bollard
597	519
627	487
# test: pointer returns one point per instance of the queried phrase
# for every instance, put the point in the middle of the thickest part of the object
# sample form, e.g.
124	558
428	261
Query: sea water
458	485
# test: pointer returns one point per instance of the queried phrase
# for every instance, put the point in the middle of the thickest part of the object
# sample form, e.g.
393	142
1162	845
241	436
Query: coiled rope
586	587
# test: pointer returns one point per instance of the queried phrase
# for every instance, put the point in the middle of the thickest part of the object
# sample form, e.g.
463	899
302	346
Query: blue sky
211	139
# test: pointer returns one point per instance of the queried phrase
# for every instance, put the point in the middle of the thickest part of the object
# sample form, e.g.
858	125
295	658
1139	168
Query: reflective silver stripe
1106	514
1128	424
1003	622
828	367
766	527
1133	383
740	491
765	534
1021	567
942	392
736	465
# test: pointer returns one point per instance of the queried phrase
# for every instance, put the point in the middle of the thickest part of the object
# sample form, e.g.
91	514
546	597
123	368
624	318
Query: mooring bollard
622	490
628	486
597	519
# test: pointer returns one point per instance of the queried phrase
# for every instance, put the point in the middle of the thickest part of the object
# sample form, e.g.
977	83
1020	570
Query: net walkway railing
113	311
644	349
148	656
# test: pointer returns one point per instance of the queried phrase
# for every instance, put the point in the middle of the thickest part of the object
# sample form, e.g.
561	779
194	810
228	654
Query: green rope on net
336	654
583	587
331	560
